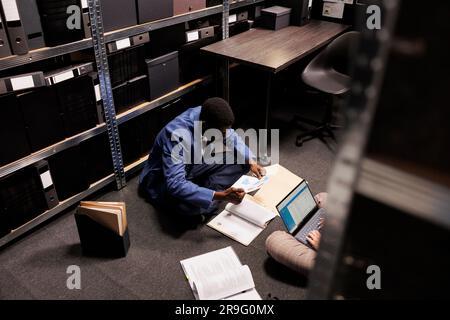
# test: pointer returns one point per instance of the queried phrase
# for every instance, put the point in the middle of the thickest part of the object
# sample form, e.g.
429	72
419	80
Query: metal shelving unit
51	52
114	120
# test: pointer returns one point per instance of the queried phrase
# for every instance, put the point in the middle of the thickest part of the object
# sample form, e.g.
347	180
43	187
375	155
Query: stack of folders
219	275
103	228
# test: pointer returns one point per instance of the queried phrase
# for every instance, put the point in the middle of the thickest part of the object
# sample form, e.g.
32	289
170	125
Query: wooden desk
273	51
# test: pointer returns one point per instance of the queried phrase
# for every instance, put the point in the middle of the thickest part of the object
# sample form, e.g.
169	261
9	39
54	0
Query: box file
13	138
5	49
68	170
154	10
128	42
186	6
78	105
23	198
43	121
118	14
67	73
48	187
131	94
276	17
163	74
126	64
54	18
22	82
97	156
99	241
14	27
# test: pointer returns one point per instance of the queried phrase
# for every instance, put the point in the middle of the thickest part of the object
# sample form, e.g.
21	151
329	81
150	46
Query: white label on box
46	179
63	77
10	10
340	1
21	83
122	44
232	18
84	4
333	10
98	96
192	35
310	4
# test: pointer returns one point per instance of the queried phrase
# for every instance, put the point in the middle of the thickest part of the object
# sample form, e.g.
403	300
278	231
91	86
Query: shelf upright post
101	58
225	72
372	50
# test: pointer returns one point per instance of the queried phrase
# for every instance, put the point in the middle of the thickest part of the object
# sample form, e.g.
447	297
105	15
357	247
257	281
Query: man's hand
257	170
314	239
233	195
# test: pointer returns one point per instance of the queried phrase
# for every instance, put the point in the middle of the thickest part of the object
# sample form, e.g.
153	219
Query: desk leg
225	73
264	159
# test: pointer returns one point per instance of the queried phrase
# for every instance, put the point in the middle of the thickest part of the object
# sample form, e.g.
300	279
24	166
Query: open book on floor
103	228
243	222
219	275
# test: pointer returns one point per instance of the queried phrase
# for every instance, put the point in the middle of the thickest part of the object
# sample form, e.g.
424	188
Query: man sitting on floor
176	176
287	250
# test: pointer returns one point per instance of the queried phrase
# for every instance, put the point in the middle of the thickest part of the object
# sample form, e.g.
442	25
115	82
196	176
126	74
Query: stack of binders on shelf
24	195
103	229
23	26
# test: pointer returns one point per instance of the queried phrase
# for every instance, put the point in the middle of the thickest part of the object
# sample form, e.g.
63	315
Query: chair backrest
330	70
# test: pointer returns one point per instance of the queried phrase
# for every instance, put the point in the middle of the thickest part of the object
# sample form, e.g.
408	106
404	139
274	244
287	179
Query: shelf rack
51	52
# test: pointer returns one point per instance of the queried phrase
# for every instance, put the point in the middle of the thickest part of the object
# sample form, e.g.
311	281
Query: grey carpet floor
35	266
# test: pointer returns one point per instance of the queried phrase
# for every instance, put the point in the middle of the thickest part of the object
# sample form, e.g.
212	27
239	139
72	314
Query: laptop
300	212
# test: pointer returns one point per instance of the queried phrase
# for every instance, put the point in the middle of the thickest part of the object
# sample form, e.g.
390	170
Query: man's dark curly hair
217	113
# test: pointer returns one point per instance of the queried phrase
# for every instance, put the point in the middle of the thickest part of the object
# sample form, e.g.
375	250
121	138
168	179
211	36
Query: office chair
328	73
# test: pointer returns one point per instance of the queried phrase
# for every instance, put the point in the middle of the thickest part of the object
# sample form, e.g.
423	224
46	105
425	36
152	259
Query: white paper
122	44
63	76
98	96
251	211
232	18
333	10
224	284
46	179
84	4
249	183
10	10
21	83
192	36
235	227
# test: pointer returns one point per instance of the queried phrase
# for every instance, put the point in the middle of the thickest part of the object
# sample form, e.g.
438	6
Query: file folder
14	27
22	82
5	49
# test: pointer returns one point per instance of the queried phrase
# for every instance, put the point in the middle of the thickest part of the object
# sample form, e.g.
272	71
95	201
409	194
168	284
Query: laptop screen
296	206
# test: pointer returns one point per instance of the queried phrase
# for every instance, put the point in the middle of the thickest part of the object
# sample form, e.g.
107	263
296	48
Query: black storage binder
78	105
131	94
126	64
22	82
97	156
5	49
98	97
154	10
130	140
43	121
48	187
13	137
54	18
118	14
31	21
14	27
163	74
22	197
67	73
68	170
99	241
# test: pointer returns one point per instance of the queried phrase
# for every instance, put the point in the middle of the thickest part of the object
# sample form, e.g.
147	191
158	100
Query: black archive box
99	241
163	74
154	10
131	94
276	17
118	14
13	137
42	117
126	64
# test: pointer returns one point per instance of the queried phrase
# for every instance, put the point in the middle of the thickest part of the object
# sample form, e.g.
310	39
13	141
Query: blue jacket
162	174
